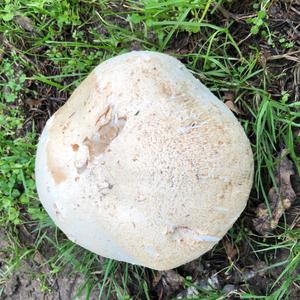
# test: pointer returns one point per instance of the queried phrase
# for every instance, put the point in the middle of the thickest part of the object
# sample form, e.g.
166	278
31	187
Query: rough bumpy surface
143	163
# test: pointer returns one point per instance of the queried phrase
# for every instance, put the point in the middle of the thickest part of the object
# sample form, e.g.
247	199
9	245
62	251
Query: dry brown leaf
233	107
24	22
230	250
228	96
167	283
33	102
293	217
228	99
279	201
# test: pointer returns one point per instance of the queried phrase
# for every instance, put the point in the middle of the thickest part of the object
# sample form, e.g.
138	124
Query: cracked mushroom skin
143	163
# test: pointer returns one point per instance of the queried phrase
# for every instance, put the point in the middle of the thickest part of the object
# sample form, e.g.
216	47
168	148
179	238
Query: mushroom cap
143	163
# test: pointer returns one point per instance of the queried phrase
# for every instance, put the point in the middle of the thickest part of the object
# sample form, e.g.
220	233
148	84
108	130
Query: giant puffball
143	164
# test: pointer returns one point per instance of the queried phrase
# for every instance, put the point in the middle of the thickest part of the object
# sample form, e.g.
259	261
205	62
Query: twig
286	56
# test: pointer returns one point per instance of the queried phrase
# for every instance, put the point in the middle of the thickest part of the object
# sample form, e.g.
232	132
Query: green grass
48	47
17	186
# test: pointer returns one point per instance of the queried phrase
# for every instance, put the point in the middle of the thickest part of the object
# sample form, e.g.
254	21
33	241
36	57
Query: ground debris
205	284
194	268
166	283
233	108
25	22
280	198
33	103
29	283
189	293
230	249
228	99
210	283
229	289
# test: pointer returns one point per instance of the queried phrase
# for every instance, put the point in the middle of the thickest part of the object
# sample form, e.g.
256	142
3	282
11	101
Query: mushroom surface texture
143	163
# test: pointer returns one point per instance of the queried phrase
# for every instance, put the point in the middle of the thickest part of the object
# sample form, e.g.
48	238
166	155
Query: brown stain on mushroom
64	118
165	89
55	168
108	126
57	174
75	147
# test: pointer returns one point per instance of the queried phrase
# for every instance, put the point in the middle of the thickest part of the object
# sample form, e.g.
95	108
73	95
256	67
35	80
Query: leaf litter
281	198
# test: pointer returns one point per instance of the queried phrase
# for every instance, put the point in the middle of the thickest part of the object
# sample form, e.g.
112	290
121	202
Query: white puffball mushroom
143	163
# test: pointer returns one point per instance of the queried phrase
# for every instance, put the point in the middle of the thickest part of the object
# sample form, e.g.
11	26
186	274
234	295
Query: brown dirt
25	284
